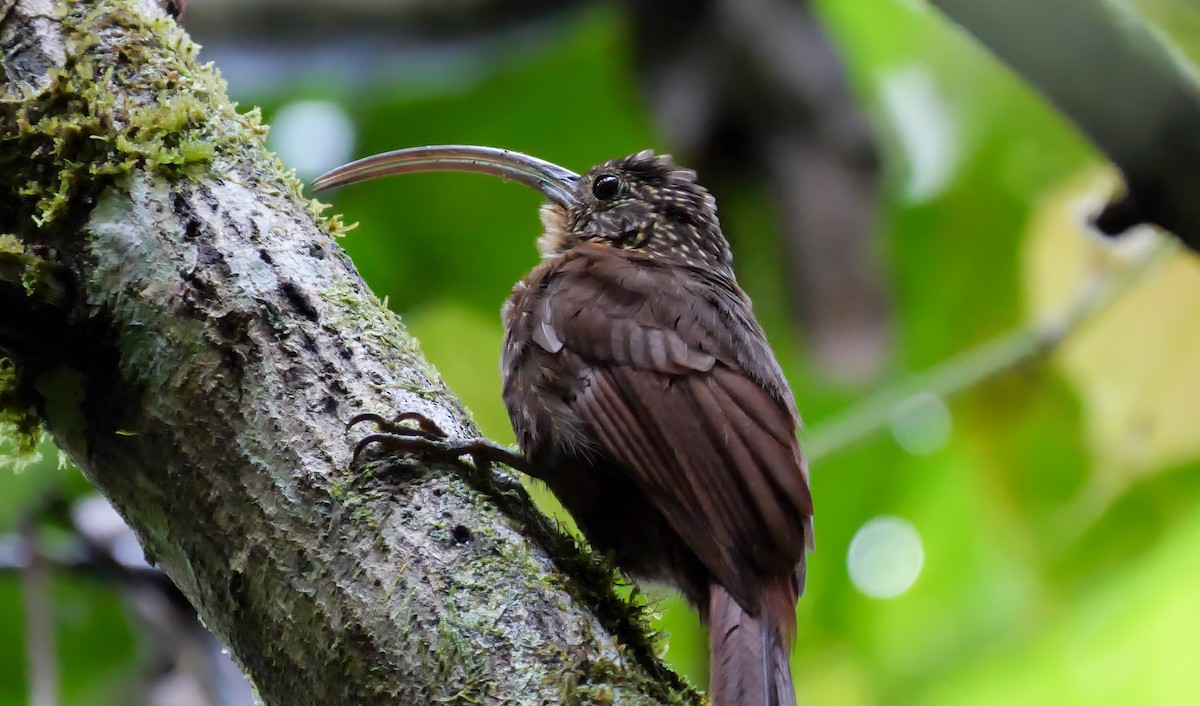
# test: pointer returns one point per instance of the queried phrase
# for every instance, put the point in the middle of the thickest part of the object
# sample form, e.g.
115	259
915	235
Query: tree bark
194	339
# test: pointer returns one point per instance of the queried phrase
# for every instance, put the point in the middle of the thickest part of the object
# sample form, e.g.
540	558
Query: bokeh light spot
885	557
312	137
921	424
926	128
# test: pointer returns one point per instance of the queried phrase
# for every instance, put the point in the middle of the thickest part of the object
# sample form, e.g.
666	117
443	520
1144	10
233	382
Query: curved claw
365	417
424	423
482	452
425	426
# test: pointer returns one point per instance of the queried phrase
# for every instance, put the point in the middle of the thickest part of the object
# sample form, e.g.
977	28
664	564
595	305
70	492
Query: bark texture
195	340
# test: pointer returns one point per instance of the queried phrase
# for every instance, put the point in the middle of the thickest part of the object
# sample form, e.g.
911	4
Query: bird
643	393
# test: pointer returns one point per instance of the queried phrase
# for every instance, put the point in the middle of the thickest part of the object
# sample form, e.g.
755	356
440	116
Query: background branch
1130	93
996	357
42	664
181	663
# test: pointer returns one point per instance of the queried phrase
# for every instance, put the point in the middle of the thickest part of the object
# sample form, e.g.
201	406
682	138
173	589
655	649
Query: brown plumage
644	394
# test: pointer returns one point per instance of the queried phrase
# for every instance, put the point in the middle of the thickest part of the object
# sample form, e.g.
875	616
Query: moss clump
331	224
41	279
19	421
130	96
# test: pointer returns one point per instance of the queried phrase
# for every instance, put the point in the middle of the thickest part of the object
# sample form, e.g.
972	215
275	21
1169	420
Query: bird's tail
748	654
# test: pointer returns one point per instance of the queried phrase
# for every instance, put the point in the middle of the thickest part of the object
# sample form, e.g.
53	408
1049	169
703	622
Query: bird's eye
606	186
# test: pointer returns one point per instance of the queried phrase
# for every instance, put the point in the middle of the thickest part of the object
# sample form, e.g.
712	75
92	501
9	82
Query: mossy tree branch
195	341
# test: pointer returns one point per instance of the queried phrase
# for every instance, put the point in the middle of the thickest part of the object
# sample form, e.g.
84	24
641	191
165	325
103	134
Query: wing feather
683	392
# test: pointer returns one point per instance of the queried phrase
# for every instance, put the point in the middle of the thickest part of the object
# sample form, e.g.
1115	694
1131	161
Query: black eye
606	186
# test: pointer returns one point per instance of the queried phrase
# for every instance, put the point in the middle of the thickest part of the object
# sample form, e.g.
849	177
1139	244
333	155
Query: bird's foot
427	439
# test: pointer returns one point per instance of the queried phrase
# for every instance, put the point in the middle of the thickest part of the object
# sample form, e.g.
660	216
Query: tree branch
39	622
200	374
1133	96
994	358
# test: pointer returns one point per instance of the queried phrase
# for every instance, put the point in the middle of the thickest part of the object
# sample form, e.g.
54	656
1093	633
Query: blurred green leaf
1135	365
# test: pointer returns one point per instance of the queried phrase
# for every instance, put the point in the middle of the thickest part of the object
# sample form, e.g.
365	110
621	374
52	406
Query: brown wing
679	386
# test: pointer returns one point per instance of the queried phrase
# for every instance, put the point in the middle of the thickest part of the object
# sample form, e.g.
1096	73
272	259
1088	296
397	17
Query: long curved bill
555	182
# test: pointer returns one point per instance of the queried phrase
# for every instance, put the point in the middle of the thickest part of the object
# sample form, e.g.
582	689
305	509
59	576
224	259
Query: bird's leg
428	439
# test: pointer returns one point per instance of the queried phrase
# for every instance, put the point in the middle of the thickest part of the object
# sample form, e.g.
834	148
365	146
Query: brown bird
644	394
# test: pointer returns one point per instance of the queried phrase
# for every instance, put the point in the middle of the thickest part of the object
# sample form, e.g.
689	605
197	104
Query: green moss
367	494
382	331
123	100
19	421
592	582
358	496
41	279
130	96
332	224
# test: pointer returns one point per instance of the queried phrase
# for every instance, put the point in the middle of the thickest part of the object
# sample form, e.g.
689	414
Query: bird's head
642	203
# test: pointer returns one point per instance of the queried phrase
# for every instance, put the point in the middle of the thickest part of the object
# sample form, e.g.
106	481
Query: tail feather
749	654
